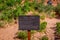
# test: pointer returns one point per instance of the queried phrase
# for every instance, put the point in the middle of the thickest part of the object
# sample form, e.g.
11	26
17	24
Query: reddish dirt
49	29
9	32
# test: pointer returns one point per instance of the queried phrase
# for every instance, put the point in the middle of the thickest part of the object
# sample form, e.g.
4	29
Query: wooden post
29	35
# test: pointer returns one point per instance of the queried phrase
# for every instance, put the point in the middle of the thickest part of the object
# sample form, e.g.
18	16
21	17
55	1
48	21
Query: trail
50	29
9	32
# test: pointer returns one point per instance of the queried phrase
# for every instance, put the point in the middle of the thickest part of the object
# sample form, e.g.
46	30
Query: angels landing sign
29	22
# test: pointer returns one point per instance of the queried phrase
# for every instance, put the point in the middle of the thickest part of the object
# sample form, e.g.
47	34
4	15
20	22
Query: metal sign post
29	23
29	35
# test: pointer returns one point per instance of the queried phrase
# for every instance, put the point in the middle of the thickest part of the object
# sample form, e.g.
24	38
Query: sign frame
29	22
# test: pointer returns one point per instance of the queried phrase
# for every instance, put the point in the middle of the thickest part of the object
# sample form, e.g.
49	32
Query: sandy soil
50	29
9	32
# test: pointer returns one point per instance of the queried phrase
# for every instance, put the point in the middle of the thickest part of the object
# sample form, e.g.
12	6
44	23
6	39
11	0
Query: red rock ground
9	32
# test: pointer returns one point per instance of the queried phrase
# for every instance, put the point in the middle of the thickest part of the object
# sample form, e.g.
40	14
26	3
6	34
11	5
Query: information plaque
29	22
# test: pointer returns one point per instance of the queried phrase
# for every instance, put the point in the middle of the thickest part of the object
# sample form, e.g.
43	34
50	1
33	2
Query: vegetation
42	17
14	8
49	9
43	26
1	24
58	27
57	9
33	31
44	38
22	35
57	33
11	9
52	15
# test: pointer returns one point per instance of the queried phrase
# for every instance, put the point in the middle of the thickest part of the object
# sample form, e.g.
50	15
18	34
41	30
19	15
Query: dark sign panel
29	22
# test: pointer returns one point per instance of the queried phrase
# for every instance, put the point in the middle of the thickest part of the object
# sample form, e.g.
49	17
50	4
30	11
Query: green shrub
26	7
58	27
7	14
10	2
49	9
42	17
18	11
19	1
1	1
3	6
41	7
42	26
22	35
38	6
1	24
3	17
57	9
52	15
35	5
33	31
44	38
11	11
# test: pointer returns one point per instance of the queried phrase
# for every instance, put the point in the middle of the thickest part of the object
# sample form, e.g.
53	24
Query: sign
29	22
